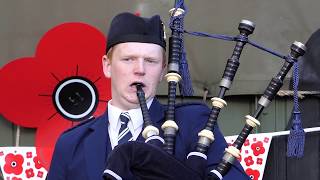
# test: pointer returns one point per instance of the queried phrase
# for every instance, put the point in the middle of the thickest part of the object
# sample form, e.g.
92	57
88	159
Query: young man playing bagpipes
120	143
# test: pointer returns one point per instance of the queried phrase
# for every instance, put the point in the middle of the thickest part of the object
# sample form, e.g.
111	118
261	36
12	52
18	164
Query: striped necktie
124	132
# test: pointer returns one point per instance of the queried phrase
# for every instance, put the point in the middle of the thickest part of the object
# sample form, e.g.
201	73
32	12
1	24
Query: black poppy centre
75	98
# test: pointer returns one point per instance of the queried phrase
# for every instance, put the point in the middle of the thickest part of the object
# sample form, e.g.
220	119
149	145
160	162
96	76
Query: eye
151	60
126	59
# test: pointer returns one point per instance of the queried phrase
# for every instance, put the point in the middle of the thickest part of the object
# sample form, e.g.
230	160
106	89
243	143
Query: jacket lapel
157	112
96	147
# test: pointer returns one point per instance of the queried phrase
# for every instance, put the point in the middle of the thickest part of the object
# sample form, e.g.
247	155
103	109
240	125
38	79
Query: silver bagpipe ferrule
233	151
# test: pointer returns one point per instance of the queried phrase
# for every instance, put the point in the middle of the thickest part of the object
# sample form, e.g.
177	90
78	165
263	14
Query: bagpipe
153	159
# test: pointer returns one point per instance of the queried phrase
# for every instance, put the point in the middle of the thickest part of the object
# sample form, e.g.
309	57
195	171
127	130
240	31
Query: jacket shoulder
199	106
77	132
192	113
82	124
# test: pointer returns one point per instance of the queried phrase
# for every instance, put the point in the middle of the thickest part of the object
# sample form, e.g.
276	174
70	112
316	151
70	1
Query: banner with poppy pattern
20	163
254	153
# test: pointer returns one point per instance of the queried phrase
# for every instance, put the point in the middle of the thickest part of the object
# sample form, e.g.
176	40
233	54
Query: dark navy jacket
81	152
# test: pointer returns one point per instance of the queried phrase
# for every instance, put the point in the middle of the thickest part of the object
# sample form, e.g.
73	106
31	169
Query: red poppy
259	161
40	174
253	174
246	143
29	154
37	163
13	164
15	178
29	173
248	160
60	86
257	148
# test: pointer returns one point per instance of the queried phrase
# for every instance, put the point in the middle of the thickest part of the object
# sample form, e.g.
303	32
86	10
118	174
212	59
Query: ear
106	65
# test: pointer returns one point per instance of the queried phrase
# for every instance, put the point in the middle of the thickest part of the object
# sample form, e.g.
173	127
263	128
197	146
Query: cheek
157	72
156	77
117	77
119	72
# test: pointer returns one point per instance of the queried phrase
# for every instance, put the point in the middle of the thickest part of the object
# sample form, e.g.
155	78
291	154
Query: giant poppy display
61	85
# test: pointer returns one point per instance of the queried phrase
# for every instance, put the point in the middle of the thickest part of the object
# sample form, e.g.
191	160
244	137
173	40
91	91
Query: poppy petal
25	92
45	141
72	49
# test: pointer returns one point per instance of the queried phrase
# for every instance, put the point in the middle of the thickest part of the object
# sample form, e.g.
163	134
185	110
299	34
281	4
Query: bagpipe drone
158	161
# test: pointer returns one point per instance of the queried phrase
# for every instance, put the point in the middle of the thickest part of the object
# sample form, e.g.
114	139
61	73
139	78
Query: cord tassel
186	83
296	139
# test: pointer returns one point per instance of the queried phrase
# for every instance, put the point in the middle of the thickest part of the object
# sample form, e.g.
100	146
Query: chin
133	100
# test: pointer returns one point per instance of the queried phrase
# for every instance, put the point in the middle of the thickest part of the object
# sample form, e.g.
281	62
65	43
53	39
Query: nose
140	67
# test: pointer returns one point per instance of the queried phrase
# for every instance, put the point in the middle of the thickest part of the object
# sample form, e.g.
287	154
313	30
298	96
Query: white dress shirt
135	124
